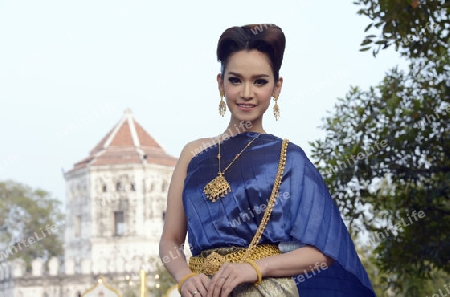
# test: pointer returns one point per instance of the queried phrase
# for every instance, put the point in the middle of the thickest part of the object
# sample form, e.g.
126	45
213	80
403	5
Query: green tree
386	154
395	132
31	223
387	284
379	279
417	28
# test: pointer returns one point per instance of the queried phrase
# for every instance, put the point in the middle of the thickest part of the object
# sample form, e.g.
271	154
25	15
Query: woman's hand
195	286
228	277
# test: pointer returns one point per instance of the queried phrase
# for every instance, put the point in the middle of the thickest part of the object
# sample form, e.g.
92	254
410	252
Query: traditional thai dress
304	212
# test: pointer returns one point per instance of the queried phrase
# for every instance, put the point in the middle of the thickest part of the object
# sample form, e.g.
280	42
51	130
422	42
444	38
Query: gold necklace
219	186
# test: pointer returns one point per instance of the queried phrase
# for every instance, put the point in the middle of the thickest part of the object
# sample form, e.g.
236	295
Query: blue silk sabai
304	213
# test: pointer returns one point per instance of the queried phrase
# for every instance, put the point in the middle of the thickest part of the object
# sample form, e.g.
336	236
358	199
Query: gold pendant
217	188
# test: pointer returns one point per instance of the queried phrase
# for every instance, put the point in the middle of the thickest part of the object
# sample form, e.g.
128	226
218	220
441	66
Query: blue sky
68	70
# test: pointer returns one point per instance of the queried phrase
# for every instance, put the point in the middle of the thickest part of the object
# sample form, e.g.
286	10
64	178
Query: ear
278	86
220	84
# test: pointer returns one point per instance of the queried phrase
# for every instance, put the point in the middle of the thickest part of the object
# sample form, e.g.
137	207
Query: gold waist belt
210	261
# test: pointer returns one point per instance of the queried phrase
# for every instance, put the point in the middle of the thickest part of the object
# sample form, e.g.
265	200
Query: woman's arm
298	261
175	226
171	243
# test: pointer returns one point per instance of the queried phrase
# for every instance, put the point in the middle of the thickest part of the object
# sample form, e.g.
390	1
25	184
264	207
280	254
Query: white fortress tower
116	200
115	207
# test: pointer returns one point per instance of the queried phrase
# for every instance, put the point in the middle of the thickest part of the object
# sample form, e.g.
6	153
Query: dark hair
265	38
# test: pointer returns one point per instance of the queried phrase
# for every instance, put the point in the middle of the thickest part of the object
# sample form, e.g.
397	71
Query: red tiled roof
126	143
144	137
123	136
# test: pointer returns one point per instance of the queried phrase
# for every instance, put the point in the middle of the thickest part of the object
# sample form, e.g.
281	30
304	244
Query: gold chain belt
210	261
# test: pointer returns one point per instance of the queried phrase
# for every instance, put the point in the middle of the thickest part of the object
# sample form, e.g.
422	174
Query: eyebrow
254	76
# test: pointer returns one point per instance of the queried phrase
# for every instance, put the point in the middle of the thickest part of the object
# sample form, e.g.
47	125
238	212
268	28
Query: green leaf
366	41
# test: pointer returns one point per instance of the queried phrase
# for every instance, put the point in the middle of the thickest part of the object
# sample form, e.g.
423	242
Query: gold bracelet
258	272
185	278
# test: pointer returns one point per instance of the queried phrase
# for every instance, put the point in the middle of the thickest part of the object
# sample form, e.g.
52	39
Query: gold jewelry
209	262
276	109
258	272
219	186
222	106
273	197
185	278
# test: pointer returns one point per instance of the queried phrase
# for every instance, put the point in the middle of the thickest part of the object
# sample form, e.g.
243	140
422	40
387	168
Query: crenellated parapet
16	269
12	269
60	278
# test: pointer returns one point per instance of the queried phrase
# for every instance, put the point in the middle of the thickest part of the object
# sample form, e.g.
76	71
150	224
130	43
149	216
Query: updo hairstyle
265	38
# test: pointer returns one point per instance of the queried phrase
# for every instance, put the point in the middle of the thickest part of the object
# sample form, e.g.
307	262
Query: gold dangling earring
222	106
276	109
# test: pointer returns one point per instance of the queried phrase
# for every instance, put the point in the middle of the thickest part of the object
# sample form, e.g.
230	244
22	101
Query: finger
217	287
202	284
220	281
213	284
229	285
186	290
200	287
189	287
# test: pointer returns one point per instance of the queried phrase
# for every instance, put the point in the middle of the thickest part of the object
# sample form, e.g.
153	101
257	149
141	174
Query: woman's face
248	85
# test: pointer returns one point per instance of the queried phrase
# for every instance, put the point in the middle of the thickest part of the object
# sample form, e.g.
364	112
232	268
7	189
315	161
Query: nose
247	92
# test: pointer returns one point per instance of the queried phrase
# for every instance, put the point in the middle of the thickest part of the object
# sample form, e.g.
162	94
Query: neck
238	127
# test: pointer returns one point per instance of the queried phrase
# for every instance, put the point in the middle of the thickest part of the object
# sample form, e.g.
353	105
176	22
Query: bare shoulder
195	147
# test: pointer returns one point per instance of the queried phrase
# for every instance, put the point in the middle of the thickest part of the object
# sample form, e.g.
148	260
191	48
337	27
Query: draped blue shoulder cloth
304	212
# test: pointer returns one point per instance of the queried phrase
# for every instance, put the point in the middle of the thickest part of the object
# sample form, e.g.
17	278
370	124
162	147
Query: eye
261	82
234	80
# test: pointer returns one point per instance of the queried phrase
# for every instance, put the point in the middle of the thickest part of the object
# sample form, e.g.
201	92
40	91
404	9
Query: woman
260	219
